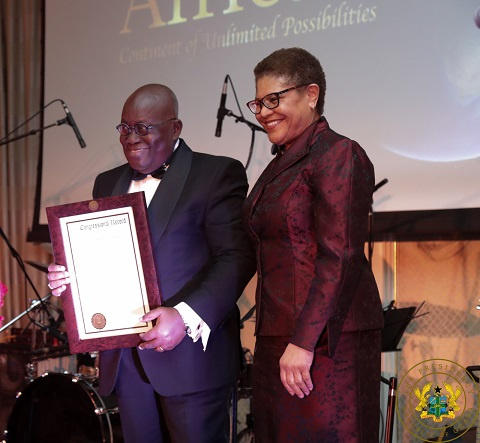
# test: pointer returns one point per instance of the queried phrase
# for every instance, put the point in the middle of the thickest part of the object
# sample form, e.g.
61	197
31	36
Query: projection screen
403	79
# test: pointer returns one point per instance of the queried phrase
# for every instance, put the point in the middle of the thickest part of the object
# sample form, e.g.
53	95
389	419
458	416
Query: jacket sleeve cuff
195	327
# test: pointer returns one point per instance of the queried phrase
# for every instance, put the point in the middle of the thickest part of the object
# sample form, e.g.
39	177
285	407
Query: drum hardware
88	372
103	411
56	360
31	372
88	365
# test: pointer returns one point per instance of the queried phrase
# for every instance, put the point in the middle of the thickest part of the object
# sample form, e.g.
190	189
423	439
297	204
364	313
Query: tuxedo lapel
168	192
123	182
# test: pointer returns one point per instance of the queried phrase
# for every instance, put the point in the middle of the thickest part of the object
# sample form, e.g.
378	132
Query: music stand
395	324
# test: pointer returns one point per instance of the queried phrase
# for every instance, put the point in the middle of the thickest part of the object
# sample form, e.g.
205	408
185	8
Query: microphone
71	122
221	109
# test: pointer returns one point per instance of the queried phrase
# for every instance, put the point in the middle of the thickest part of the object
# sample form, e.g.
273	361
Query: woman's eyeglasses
270	101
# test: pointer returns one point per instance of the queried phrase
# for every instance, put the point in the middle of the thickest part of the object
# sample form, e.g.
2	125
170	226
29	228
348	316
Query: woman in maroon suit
319	315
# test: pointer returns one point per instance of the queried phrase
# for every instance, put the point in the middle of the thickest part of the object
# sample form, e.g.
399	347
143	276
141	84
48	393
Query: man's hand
295	365
168	331
58	278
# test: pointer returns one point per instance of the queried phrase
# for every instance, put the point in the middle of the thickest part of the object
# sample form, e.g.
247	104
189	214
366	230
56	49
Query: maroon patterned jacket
308	217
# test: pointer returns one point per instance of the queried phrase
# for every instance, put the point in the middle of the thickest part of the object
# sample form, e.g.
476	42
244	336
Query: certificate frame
87	333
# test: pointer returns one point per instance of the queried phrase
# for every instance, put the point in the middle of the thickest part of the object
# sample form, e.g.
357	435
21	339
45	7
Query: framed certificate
105	246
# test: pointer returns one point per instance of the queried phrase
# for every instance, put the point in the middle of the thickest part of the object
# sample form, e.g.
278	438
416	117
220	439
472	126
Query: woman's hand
58	278
295	365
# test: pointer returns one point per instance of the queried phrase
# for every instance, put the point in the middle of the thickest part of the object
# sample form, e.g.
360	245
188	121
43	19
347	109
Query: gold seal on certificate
99	321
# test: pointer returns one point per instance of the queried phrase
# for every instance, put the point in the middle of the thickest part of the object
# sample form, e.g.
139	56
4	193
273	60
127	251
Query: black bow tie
158	173
278	149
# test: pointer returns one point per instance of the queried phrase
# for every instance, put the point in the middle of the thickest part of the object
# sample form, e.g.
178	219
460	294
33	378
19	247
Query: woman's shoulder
330	142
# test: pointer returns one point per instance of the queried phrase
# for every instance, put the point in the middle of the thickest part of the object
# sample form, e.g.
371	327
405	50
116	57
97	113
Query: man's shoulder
213	157
214	160
205	157
114	172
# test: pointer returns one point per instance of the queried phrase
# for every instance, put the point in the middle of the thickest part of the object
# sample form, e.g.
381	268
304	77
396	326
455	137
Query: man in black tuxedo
175	387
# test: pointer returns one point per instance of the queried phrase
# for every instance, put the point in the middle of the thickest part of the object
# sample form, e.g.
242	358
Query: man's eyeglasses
140	128
270	101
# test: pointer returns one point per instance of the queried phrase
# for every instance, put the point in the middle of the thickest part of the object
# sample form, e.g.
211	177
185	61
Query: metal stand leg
392	393
233	430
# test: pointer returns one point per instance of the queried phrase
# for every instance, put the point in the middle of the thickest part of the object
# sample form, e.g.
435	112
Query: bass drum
59	408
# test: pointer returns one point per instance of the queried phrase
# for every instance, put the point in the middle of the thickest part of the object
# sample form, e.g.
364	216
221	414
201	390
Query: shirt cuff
196	327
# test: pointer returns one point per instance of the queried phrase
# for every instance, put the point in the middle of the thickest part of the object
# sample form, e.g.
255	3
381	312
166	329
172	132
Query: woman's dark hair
296	66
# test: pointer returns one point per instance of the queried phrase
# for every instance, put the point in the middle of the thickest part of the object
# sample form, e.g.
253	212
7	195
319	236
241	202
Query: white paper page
107	282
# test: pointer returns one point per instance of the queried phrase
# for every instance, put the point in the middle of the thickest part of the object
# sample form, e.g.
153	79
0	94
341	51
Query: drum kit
60	407
58	400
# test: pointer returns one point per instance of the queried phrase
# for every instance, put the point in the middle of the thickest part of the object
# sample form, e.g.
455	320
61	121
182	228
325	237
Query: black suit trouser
146	416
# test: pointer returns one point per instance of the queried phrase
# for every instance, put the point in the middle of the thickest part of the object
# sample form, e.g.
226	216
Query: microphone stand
19	316
41	301
252	126
32	132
